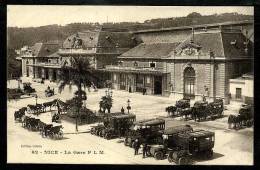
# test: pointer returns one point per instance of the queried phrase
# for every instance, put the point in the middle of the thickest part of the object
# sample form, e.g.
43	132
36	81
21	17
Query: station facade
183	62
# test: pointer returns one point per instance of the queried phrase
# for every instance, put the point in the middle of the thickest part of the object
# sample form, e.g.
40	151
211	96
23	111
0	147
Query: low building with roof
41	60
242	88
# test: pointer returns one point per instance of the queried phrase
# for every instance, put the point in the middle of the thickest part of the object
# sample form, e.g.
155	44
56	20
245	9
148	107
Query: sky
40	15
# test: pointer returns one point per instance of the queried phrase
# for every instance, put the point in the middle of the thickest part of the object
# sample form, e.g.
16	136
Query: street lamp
36	98
128	105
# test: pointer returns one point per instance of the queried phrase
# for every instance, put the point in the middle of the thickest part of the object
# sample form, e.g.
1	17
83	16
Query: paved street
231	147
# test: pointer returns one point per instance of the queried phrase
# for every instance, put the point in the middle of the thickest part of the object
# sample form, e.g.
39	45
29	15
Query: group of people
138	145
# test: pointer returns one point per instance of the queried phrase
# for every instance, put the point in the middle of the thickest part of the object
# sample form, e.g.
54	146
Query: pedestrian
122	110
136	146
144	149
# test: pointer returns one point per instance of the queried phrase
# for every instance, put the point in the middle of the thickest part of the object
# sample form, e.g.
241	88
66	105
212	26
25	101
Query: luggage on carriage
118	125
181	105
160	149
114	125
216	108
145	130
181	143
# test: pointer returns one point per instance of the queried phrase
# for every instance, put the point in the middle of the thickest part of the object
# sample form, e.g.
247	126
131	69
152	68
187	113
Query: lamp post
36	98
128	106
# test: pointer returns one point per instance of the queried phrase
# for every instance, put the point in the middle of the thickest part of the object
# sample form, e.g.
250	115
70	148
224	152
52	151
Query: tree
194	15
106	103
78	73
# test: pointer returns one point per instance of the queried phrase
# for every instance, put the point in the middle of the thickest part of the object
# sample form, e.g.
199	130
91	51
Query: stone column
43	73
50	74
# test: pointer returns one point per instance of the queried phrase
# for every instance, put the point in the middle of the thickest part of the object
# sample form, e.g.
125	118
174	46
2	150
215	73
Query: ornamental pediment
189	49
76	42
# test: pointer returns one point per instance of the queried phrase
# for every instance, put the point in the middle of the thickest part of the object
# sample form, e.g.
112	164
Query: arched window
189	83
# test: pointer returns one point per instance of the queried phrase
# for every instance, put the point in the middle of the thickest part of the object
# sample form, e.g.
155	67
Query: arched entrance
189	83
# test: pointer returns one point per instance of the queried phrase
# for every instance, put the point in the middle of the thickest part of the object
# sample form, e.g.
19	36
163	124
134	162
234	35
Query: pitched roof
153	50
36	49
234	50
44	49
48	49
89	38
207	41
104	41
115	42
219	42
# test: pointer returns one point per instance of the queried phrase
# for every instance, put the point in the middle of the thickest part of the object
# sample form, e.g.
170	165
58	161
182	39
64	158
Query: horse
171	110
235	120
186	112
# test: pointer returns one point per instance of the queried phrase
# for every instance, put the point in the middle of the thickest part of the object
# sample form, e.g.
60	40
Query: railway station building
180	62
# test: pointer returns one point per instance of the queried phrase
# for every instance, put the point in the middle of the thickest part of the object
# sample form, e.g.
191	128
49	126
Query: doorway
54	76
46	74
189	83
158	85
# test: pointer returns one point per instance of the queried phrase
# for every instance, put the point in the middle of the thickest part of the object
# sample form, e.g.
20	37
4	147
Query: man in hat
136	146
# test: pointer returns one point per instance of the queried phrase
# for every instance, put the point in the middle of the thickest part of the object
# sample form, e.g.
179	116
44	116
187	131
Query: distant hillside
18	37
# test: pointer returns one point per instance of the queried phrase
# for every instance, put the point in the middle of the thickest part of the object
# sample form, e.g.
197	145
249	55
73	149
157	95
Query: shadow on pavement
69	133
201	158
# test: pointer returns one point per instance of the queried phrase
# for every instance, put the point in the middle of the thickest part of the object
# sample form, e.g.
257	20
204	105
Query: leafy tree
78	73
106	103
194	15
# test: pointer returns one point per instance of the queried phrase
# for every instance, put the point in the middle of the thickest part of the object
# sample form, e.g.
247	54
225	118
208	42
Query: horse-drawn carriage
180	143
245	117
114	125
14	93
145	131
49	92
35	109
27	89
30	123
180	107
46	130
53	132
203	110
18	115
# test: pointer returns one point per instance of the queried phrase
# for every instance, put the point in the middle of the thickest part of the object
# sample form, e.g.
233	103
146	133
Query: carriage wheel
51	135
148	152
125	142
183	161
107	136
29	127
92	131
158	155
170	157
100	133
